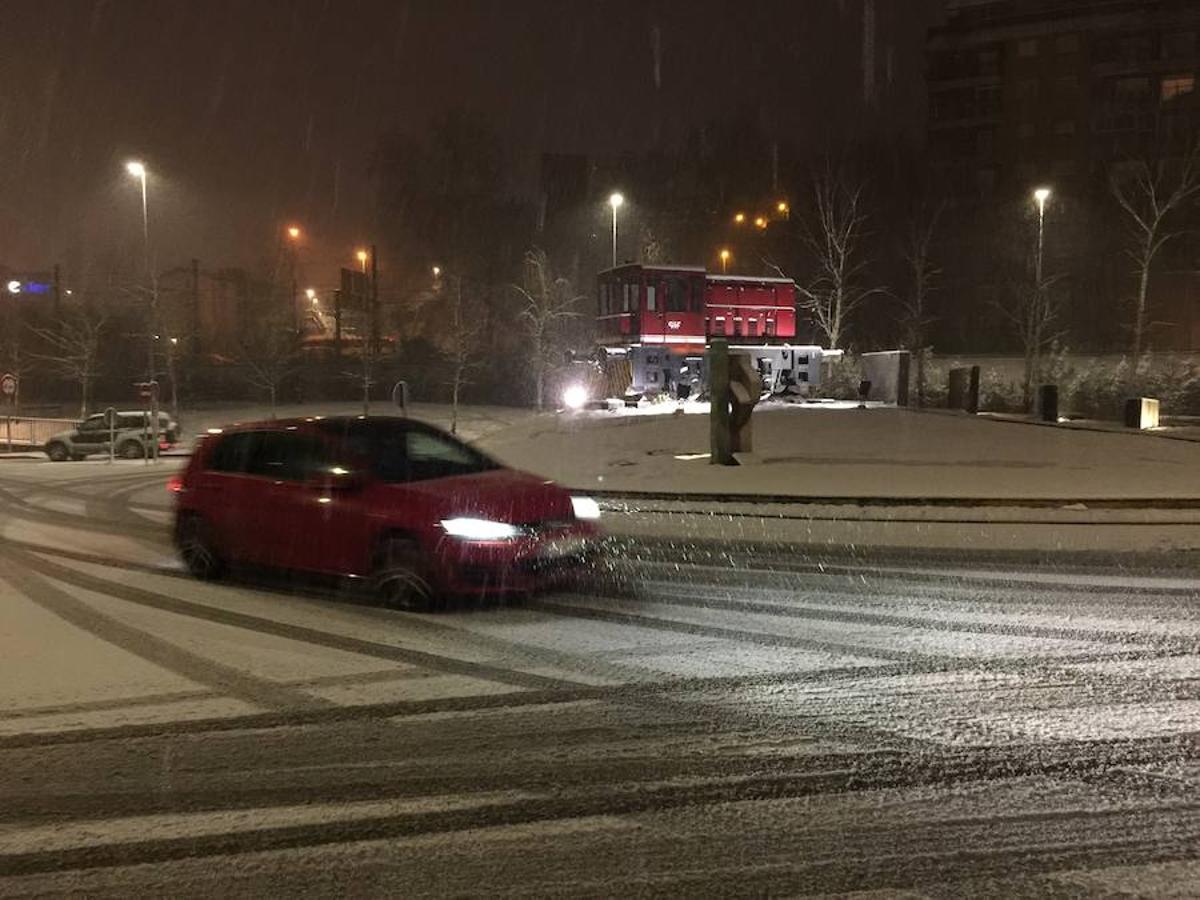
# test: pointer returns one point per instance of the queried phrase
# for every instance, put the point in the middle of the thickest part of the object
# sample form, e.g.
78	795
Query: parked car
418	511
131	438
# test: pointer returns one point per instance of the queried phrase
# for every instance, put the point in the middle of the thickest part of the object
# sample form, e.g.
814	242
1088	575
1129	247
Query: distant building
1024	93
207	310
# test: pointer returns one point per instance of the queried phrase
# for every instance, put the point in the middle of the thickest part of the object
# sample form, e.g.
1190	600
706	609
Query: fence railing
25	433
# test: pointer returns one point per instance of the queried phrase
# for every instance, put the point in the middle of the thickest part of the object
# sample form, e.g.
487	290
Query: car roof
127	412
297	422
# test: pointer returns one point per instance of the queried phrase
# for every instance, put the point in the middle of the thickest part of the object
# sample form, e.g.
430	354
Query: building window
987	101
752	328
1181	44
1066	85
1177	86
737	326
1065	127
769	327
1131	90
1027	48
985	142
650	300
720	329
1066	43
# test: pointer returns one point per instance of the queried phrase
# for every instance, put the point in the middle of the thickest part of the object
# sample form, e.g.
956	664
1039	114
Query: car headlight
585	508
479	529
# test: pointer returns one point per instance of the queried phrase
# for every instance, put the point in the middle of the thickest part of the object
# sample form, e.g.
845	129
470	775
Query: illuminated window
1177	86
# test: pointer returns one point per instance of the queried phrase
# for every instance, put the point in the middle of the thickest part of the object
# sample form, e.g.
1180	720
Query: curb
1166	503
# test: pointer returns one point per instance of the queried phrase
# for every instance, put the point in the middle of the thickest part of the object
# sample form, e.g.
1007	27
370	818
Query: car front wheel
402	578
197	549
58	452
131	450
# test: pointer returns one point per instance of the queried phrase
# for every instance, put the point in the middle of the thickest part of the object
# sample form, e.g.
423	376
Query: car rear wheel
58	452
196	548
402	577
131	450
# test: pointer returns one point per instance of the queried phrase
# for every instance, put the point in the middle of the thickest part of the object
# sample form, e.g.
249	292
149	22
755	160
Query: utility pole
194	343
374	300
337	324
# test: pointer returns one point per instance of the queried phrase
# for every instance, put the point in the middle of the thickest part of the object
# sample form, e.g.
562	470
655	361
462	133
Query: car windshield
399	452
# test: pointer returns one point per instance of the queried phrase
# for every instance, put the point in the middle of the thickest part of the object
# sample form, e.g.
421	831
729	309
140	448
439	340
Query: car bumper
524	564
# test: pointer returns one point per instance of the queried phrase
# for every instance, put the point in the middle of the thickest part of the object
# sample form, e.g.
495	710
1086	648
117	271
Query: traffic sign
8	384
146	389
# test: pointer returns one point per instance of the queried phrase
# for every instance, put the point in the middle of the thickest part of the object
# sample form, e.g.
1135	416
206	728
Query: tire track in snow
164	654
298	633
666	593
634	798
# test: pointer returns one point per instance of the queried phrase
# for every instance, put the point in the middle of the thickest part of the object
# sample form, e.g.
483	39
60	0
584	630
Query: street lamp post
138	170
615	200
293	235
1041	195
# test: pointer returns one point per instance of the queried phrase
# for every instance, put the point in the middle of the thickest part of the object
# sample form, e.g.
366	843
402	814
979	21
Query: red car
398	501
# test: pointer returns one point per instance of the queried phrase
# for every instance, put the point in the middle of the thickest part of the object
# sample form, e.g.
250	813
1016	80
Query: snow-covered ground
697	720
816	452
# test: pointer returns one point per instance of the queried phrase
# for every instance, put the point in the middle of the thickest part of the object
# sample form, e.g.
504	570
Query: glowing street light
725	255
782	208
739	218
615	200
437	271
362	256
138	170
293	232
760	222
1041	195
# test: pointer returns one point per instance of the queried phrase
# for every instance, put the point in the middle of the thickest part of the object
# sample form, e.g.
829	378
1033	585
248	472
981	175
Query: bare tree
73	349
461	344
924	273
835	237
267	353
550	301
1033	312
1149	192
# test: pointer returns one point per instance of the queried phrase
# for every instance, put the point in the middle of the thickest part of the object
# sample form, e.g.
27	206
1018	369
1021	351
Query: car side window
233	452
130	421
93	423
284	456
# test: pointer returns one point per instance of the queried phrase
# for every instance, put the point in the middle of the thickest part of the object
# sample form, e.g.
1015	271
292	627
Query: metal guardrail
25	433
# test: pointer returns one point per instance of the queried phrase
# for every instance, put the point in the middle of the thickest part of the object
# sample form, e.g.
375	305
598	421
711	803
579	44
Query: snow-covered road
702	719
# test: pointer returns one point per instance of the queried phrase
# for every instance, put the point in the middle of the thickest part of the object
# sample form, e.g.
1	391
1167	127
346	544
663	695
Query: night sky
252	114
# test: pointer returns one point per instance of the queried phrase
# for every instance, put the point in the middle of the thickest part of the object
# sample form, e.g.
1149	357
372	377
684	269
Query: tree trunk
272	394
454	404
1139	319
85	384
